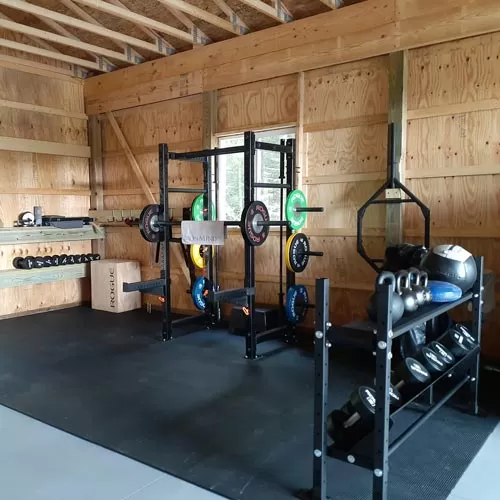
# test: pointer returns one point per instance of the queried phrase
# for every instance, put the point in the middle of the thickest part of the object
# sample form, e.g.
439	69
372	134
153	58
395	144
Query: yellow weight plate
287	252
196	256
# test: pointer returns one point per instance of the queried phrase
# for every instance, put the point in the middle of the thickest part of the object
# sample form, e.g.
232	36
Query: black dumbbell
71	259
47	261
17	262
354	420
84	258
55	260
97	256
78	258
458	340
39	262
444	354
411	375
431	361
63	259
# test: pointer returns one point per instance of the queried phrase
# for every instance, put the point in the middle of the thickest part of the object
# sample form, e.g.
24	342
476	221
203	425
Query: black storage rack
243	296
464	372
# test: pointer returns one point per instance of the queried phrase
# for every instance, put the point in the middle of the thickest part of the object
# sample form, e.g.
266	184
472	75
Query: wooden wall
47	113
341	113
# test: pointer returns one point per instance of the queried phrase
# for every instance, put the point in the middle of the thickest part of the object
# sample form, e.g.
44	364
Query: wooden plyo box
107	278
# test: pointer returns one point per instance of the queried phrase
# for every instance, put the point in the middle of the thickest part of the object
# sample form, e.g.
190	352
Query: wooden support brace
145	186
209	119
398	75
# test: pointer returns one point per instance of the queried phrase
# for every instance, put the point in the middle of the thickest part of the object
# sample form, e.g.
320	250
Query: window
267	168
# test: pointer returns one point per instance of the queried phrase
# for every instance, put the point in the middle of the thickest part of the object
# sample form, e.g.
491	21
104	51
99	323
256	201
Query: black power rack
240	296
464	372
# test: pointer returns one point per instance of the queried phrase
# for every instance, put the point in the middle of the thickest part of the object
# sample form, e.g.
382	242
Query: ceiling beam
194	11
158	39
77	23
199	38
134	17
333	4
63	40
127	49
238	23
30	49
278	12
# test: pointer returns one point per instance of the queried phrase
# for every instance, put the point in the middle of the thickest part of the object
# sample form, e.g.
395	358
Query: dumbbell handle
309	209
355	417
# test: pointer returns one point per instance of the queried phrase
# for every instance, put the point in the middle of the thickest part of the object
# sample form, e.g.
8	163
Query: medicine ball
451	263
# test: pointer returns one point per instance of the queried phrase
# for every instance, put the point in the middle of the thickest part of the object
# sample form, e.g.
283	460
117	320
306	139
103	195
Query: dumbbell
71	259
354	420
410	376
431	361
96	256
39	262
458	340
78	258
47	261
17	262
84	258
55	260
444	353
63	259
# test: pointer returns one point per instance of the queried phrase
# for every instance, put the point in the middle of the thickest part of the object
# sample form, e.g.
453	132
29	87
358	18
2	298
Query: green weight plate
296	199
197	211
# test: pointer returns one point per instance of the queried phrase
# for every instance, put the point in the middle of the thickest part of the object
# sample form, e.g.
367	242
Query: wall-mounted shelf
16	235
10	278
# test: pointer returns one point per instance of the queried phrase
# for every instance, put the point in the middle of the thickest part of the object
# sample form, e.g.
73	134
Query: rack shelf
16	235
11	278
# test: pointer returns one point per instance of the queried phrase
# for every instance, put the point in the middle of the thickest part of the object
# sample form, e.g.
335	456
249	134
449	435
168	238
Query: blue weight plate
444	292
198	293
297	300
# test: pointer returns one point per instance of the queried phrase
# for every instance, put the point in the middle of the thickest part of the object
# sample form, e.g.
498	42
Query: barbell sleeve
278	223
309	209
314	254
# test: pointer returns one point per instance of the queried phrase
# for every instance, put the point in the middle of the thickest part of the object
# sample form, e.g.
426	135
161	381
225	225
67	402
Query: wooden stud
21	277
27	235
96	175
301	169
398	75
43	147
77	23
333	4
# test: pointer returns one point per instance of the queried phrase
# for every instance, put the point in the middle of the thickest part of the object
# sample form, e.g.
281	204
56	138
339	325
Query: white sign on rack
202	233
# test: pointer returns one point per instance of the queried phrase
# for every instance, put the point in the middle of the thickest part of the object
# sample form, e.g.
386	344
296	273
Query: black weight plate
63	260
71	259
17	262
148	223
297	248
39	262
254	213
55	260
47	261
28	262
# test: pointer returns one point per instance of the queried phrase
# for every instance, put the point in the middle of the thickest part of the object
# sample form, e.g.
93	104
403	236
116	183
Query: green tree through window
231	175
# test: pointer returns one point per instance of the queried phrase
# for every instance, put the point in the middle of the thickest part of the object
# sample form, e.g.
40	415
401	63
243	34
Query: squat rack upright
241	296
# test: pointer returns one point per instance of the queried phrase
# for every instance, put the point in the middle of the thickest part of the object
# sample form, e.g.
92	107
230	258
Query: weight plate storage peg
148	223
199	293
252	217
297	303
198	211
296	199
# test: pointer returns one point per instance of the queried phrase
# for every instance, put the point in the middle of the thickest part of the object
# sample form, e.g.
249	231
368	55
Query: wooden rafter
64	40
199	38
127	49
278	12
198	13
128	15
333	4
156	37
232	16
58	56
86	26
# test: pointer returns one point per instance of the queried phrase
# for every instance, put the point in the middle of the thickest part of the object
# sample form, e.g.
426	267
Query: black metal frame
378	459
391	183
243	296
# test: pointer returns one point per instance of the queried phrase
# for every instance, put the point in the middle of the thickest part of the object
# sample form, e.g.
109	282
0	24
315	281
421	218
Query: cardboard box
107	278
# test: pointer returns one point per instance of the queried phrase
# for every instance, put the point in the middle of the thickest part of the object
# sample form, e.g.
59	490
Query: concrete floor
40	462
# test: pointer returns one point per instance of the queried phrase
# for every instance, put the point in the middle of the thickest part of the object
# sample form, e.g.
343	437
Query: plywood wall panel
347	150
462	71
269	103
346	91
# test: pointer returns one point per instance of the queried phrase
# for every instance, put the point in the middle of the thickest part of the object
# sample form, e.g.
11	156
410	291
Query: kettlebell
420	281
397	302
409	297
